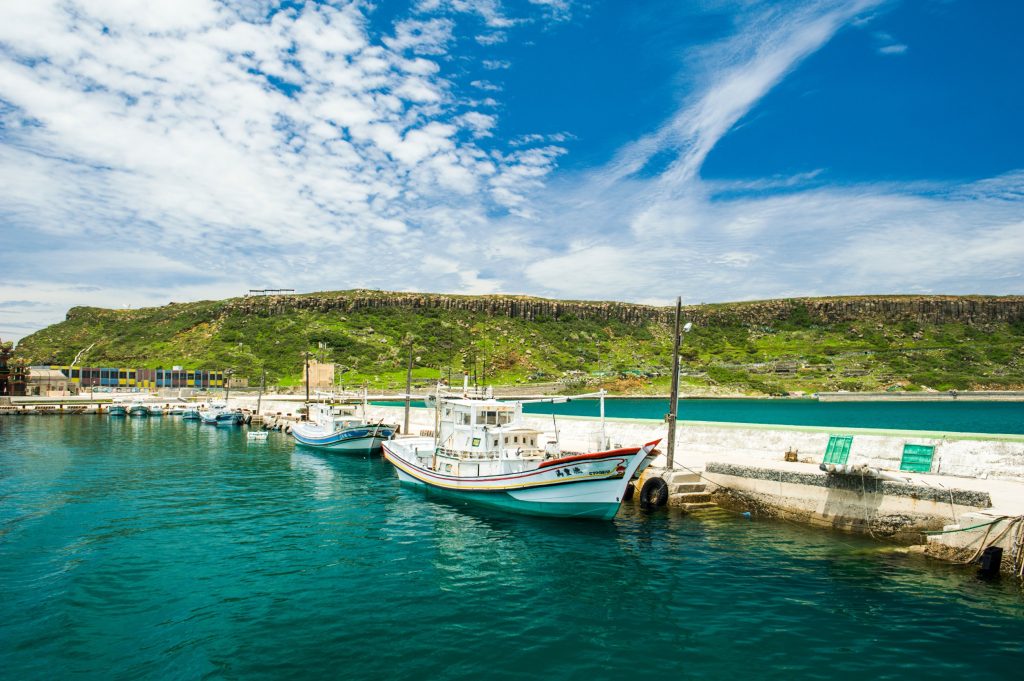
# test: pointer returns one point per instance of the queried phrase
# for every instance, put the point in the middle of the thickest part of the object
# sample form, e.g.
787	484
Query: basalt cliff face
922	309
857	343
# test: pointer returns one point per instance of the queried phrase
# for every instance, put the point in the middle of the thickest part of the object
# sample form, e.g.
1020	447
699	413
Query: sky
602	150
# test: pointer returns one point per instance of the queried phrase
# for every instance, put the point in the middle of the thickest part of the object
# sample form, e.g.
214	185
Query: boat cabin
333	418
475	431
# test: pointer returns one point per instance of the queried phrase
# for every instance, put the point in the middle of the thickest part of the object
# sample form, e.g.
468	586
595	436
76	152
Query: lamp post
674	397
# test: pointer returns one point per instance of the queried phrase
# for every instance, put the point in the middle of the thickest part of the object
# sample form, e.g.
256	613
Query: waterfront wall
883	509
697	443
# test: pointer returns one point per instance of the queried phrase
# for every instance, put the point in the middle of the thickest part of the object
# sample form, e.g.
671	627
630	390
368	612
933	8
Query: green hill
775	346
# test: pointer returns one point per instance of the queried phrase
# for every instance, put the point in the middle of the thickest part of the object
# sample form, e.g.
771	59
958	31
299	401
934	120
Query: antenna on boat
408	389
673	400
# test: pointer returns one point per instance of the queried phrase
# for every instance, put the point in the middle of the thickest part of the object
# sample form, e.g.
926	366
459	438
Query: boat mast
408	391
259	398
305	416
673	400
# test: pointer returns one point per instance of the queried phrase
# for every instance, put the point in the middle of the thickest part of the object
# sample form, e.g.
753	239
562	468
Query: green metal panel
917	458
838	450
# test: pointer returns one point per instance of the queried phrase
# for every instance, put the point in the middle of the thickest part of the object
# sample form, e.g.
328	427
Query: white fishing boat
484	453
336	428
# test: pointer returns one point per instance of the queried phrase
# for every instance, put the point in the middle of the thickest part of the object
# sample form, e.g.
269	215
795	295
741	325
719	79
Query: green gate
838	450
917	458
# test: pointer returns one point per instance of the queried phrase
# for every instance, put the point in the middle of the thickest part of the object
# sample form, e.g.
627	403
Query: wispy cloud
234	146
196	151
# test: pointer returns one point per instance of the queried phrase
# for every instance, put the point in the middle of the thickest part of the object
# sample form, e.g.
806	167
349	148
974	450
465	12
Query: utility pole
673	400
408	390
674	397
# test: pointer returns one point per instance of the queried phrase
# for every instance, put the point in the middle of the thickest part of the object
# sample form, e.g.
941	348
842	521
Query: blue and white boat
117	410
335	429
219	414
138	408
190	414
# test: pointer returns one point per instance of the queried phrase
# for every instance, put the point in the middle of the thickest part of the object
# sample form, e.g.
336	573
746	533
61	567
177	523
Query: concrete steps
688	492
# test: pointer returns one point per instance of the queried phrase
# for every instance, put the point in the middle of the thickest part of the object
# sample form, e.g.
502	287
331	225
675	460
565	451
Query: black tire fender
654	492
628	494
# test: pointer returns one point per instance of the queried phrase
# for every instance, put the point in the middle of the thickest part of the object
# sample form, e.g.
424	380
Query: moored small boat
334	429
483	453
156	410
219	414
190	414
138	408
117	410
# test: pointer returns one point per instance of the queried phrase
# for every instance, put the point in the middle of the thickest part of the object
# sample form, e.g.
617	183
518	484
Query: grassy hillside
758	348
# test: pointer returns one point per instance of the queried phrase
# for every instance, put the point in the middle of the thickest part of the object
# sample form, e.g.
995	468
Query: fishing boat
219	414
483	452
117	410
337	429
138	408
156	410
190	414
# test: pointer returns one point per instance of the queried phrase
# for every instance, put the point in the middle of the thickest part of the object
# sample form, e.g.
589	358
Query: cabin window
516	439
464	419
504	417
495	442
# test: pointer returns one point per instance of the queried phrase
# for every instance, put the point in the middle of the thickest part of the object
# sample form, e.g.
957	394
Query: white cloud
893	49
219	148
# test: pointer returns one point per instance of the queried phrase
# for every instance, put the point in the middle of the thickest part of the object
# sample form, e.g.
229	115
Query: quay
956	495
972	496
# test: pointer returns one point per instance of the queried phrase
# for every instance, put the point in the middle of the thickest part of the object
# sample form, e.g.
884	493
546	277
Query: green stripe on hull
502	501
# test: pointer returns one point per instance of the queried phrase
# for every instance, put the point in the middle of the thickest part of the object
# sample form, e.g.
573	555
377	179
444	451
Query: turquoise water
167	549
952	416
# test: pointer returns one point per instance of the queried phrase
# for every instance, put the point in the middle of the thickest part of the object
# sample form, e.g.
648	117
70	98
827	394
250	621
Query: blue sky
599	150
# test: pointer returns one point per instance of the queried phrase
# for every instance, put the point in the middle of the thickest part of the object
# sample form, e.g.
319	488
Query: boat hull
117	410
352	441
138	411
588	486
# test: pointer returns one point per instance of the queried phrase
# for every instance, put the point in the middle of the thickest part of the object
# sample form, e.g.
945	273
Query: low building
46	382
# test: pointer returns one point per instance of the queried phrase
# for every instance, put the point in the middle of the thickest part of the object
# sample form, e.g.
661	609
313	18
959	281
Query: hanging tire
628	494
654	493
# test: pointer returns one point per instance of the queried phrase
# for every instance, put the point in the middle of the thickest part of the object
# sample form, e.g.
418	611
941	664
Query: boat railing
469	455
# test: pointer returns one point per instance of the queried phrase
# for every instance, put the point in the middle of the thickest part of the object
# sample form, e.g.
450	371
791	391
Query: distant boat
138	408
156	410
219	414
190	414
483	453
117	410
333	429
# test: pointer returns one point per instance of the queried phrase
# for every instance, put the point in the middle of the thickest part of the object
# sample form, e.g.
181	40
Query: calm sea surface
165	549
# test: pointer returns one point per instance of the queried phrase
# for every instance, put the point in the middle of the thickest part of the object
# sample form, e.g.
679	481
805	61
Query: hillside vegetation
765	347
